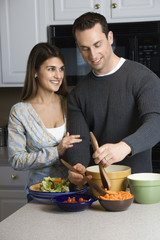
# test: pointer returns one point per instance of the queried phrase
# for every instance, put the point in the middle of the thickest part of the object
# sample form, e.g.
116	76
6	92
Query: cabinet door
71	9
10	178
11	201
136	9
12	190
22	26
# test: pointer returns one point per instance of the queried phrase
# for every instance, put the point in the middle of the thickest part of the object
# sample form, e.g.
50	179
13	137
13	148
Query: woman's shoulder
18	107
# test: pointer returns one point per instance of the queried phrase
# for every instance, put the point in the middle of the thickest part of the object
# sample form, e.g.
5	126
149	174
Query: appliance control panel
148	51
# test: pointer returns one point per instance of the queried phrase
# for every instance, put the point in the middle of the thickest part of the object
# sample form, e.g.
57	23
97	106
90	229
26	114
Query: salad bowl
38	192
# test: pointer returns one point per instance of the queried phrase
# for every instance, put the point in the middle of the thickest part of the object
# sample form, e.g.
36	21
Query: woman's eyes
51	69
54	68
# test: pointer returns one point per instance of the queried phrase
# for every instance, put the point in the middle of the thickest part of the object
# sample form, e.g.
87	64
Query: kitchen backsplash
8	97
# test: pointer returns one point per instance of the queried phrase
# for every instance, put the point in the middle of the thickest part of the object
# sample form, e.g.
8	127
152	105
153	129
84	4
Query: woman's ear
35	75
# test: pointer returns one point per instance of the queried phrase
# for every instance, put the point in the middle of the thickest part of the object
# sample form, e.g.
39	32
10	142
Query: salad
54	185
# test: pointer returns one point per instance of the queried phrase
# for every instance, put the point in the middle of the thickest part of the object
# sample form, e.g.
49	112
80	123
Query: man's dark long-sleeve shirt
123	106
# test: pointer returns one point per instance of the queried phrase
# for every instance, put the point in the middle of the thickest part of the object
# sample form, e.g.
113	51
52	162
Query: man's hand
109	153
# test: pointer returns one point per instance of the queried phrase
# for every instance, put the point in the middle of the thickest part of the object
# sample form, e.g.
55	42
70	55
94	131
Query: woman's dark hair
88	20
40	53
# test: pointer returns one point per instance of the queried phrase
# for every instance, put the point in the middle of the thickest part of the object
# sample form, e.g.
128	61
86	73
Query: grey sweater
123	106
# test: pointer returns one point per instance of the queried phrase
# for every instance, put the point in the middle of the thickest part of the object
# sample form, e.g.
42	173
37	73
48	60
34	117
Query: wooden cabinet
22	25
113	10
12	190
71	9
11	201
134	10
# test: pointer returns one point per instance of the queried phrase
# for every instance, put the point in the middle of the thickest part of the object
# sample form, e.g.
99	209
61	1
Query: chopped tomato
59	180
73	200
80	200
69	200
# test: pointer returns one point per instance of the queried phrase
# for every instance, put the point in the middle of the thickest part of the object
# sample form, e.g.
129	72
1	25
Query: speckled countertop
39	221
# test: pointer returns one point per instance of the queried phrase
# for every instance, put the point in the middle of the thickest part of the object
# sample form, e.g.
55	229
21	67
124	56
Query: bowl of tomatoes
74	202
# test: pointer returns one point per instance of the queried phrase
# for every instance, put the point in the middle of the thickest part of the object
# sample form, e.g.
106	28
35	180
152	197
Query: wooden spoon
104	177
90	182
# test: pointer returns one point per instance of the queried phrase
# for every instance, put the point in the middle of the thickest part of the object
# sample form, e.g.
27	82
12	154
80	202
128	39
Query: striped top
31	147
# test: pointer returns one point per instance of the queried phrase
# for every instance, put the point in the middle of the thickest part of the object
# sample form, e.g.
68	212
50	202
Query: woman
37	135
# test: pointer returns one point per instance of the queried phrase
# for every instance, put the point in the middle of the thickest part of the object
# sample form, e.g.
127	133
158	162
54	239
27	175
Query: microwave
137	41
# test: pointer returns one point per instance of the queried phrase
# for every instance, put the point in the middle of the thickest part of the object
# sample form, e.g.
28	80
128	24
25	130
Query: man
119	101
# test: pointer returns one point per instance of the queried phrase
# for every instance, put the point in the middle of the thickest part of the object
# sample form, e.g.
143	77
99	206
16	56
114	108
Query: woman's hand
108	153
67	142
76	178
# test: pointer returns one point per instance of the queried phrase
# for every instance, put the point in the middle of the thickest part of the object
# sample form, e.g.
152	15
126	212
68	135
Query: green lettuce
48	185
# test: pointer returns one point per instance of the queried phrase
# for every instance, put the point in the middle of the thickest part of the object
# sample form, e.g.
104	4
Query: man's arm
80	153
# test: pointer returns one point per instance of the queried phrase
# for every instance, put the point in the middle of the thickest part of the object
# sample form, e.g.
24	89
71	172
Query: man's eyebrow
97	42
93	44
83	46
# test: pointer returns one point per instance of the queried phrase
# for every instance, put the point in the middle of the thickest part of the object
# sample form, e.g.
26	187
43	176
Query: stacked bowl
117	174
36	193
145	187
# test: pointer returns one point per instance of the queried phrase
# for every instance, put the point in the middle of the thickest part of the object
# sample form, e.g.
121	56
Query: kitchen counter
41	221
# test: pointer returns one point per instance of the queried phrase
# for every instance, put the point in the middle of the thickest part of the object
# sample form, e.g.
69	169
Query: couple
118	101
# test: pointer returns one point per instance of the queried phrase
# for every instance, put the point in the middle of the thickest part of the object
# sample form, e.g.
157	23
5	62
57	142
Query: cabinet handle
97	6
13	176
114	5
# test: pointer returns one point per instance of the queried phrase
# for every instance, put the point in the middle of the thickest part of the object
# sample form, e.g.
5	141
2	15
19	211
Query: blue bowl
38	194
74	207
